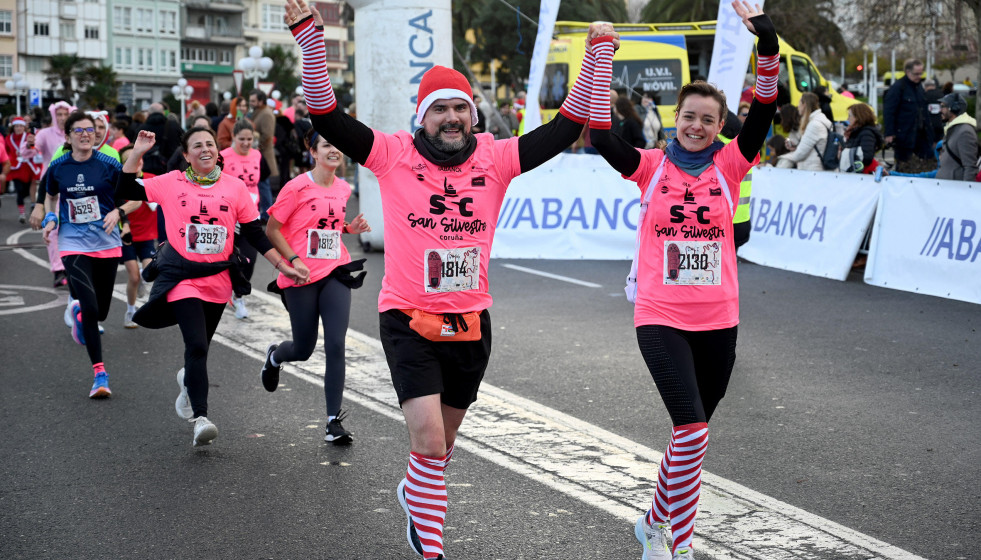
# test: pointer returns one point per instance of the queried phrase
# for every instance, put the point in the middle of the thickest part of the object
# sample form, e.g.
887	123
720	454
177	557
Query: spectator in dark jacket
825	102
862	132
629	127
168	131
907	120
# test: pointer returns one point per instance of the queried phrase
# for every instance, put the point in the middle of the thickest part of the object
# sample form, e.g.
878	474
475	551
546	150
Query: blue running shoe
100	387
77	335
410	529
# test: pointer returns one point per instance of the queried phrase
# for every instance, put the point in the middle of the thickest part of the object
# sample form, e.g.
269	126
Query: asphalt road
856	404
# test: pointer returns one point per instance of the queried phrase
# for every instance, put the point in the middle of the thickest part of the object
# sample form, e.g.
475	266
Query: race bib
692	263
83	210
323	244
452	270
205	239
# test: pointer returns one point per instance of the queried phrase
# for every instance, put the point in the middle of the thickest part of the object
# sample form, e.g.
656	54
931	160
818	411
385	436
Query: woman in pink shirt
684	282
247	164
201	207
306	222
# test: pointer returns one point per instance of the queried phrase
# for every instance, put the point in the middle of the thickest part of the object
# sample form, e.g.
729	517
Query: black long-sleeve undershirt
128	188
355	139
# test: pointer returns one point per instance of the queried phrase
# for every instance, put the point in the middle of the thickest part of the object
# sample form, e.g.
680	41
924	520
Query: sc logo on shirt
438	203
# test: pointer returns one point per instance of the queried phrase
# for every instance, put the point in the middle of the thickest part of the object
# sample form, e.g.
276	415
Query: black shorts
423	367
139	250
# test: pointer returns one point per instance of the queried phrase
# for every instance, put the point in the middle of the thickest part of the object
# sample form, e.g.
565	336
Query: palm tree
98	85
61	70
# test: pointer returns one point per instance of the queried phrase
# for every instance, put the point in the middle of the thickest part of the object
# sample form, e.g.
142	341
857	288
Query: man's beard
448	147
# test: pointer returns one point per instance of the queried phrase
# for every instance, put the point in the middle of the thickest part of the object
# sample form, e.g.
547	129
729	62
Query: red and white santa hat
18	121
440	82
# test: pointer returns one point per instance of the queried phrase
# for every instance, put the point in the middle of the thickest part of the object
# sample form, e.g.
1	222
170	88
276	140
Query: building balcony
69	10
213	34
231	6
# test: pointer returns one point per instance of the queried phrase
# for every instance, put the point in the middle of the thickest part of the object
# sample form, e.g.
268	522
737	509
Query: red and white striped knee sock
599	103
317	91
684	480
659	512
425	494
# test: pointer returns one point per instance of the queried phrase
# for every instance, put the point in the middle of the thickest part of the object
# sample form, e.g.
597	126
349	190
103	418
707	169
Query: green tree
61	69
808	24
98	84
283	72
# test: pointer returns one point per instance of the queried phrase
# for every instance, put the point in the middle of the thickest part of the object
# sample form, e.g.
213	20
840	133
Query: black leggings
23	189
198	321
91	280
329	301
250	253
690	368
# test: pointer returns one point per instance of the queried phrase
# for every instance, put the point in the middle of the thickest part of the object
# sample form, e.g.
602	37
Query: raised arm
764	105
545	142
615	150
351	137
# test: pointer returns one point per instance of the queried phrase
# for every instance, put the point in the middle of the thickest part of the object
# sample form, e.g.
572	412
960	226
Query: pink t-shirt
207	215
439	222
120	143
245	168
47	141
686	270
312	218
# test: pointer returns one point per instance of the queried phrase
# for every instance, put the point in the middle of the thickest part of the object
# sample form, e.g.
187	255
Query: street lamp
255	66
17	86
183	92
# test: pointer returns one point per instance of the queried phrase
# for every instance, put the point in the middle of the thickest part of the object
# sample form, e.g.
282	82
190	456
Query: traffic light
859	67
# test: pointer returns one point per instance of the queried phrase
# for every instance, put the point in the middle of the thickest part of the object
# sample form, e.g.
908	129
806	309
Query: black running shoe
270	373
335	432
410	529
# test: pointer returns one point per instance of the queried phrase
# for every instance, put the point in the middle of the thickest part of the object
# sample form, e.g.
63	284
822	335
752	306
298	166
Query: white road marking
9	298
552	276
600	468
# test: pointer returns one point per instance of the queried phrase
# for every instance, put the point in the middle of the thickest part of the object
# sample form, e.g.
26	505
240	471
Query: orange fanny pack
445	327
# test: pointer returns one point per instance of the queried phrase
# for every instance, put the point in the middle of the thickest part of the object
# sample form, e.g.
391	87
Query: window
802	74
123	59
143	20
168	61
33	63
168	22
68	30
6	66
42	29
226	57
331	12
144	59
91	32
272	18
122	19
333	50
6	22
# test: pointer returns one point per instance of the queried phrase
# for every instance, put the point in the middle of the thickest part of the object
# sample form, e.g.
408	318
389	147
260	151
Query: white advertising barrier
573	207
809	221
927	238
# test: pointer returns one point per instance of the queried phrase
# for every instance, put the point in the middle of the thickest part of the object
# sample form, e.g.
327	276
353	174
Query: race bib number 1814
451	270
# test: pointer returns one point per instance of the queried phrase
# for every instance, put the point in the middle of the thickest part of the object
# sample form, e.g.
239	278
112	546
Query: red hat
440	82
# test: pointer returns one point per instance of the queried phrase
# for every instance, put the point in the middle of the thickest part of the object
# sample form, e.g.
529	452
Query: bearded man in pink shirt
442	189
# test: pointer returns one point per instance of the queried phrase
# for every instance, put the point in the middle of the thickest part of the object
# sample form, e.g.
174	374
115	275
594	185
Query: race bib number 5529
451	270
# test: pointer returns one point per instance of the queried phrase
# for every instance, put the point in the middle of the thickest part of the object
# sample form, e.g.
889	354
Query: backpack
832	149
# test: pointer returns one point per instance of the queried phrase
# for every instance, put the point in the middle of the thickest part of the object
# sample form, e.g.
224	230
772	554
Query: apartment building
144	48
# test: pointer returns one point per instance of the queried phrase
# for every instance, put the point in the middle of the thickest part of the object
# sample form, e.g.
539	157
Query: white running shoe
240	311
102	330
69	320
204	431
183	404
128	320
654	538
141	289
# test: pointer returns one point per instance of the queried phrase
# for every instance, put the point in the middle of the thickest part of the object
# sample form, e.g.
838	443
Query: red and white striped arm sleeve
576	104
599	103
317	91
767	71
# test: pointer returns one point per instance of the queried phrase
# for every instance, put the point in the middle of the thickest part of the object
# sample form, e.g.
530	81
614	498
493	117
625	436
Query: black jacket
168	133
167	269
869	139
905	114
